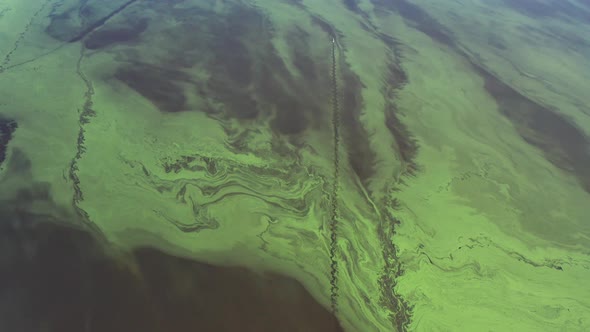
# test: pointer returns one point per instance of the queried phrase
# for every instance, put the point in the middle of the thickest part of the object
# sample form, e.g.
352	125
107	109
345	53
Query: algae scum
294	165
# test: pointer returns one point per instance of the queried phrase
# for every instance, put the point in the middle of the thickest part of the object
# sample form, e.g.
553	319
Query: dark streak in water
549	8
200	222
298	39
420	19
297	3
360	154
361	157
366	24
159	84
325	26
561	141
248	76
352	5
401	310
112	35
100	22
7	129
406	145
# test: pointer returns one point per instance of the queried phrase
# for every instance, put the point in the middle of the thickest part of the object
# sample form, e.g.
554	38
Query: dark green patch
99	22
354	136
63	25
160	85
75	22
298	39
406	146
352	5
108	35
360	155
166	2
548	8
290	110
420	19
304	64
297	3
536	36
272	83
7	129
393	80
231	53
250	79
232	66
562	143
246	78
325	26
496	41
239	103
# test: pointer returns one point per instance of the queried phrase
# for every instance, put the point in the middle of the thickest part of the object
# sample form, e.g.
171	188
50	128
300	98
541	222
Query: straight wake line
335	185
100	22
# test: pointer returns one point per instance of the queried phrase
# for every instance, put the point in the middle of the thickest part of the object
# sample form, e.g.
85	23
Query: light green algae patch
416	165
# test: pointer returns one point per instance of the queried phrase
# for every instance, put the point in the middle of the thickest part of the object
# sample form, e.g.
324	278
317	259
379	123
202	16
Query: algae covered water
294	165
